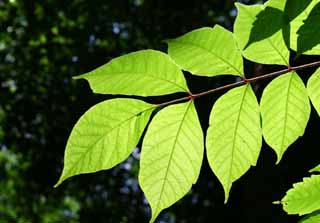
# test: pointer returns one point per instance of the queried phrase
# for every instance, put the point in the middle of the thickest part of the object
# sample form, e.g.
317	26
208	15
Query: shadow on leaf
293	8
309	32
268	22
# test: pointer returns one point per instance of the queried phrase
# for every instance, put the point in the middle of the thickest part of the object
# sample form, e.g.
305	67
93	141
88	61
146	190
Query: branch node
245	80
190	96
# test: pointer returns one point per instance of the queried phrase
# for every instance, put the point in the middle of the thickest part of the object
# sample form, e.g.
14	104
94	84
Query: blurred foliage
42	45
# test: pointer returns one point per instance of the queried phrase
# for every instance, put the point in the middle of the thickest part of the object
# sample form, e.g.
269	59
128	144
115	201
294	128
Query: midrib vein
235	131
285	117
170	157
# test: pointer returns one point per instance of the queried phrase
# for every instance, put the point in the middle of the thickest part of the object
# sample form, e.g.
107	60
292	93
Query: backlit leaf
105	136
271	50
234	137
171	157
142	73
313	87
297	24
207	52
312	218
294	8
309	32
285	111
304	197
316	169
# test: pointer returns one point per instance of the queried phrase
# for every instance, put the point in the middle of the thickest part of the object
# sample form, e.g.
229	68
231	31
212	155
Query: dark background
43	44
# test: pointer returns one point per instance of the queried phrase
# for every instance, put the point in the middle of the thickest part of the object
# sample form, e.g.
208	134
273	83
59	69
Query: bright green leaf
312	218
171	157
234	137
304	197
207	52
143	73
285	111
105	136
271	50
313	87
316	169
295	31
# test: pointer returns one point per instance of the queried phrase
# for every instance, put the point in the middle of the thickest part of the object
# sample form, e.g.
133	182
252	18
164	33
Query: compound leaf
171	157
313	87
271	50
142	73
207	52
304	197
234	136
104	136
285	111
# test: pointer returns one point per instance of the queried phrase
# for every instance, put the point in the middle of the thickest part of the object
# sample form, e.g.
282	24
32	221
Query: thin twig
242	82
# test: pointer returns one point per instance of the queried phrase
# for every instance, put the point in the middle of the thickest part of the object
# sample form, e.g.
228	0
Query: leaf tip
238	5
279	157
58	183
154	216
276	202
226	195
62	178
78	77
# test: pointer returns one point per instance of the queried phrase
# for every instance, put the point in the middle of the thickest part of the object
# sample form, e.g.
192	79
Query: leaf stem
242	82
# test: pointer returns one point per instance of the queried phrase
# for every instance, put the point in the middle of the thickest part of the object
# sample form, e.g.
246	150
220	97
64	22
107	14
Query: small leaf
313	87
171	157
105	136
271	50
298	22
285	111
207	52
234	136
304	197
316	169
143	73
309	32
311	218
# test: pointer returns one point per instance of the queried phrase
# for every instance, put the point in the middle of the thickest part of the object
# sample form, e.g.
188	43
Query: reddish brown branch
242	82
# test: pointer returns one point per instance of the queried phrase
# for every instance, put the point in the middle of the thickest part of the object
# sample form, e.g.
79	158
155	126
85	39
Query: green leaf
271	50
105	136
312	218
304	197
293	8
285	111
207	52
142	73
296	31
316	169
313	87
309	32
267	23
171	157
234	136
